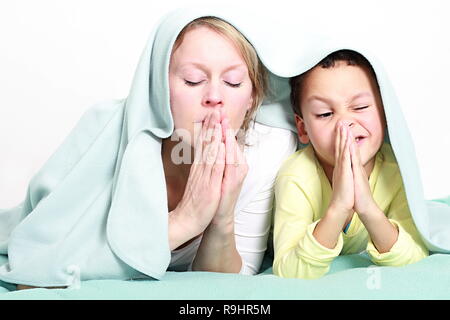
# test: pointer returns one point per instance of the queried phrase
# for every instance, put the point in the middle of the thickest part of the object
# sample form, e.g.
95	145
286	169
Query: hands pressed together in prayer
351	190
213	187
216	176
352	194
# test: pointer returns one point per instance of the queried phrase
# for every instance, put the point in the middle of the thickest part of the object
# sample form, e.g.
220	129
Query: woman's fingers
235	164
212	148
206	125
218	168
231	145
213	120
201	141
205	136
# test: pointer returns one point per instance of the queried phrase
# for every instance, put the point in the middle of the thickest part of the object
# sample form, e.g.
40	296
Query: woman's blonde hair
256	70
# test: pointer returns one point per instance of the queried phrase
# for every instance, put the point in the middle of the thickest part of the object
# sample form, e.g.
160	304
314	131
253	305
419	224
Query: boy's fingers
344	138
357	167
347	161
337	144
353	157
342	141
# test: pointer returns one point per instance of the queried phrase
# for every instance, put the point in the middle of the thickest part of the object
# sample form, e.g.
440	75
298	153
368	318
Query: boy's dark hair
352	58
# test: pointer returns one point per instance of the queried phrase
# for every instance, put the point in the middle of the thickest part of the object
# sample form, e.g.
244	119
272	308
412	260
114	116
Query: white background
57	58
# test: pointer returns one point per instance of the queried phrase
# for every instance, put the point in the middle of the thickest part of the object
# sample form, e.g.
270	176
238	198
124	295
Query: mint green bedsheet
350	277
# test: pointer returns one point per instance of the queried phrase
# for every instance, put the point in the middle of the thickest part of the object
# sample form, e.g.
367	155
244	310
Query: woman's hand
235	171
217	251
203	189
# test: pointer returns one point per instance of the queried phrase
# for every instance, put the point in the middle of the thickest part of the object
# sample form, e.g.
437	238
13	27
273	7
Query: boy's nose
348	122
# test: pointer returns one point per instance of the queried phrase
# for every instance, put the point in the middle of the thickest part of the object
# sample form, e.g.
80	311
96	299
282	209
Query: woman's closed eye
192	83
232	84
195	83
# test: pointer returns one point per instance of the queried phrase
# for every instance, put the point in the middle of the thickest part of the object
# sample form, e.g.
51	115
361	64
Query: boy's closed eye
324	115
329	113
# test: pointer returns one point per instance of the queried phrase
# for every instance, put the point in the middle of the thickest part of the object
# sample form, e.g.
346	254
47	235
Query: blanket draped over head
431	217
98	207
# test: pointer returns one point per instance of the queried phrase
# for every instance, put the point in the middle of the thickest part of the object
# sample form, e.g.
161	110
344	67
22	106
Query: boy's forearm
382	232
329	228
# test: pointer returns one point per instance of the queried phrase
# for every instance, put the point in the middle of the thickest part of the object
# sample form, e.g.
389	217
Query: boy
343	193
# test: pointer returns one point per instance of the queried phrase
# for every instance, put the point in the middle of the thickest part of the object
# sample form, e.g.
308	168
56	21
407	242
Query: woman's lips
359	140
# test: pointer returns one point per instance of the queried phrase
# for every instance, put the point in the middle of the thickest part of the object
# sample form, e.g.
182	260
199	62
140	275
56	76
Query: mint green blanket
114	147
350	277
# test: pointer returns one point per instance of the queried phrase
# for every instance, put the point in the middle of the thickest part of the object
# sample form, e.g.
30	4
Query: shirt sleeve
409	247
253	216
297	253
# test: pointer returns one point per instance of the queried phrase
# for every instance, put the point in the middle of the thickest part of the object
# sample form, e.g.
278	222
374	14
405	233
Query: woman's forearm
181	229
217	251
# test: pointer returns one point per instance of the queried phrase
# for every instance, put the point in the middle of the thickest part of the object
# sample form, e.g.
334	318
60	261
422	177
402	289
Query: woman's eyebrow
204	68
235	67
196	65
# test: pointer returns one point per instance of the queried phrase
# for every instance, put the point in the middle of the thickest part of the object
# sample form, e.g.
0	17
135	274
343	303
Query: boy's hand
364	202
382	232
343	199
342	202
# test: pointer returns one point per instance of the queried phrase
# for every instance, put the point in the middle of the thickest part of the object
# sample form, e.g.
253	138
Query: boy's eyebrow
322	99
329	101
361	95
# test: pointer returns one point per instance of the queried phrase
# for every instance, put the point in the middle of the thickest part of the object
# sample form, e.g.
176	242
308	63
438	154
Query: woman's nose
212	97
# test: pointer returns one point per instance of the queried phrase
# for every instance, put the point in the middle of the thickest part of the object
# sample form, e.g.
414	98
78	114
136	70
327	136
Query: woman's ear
250	103
301	130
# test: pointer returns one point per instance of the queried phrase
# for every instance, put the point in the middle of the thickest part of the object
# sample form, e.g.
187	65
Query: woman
121	198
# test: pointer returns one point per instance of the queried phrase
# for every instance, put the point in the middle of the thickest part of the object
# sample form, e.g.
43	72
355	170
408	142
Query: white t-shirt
267	148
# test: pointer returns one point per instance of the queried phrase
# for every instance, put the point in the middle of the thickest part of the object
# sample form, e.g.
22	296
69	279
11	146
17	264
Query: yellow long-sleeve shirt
302	196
